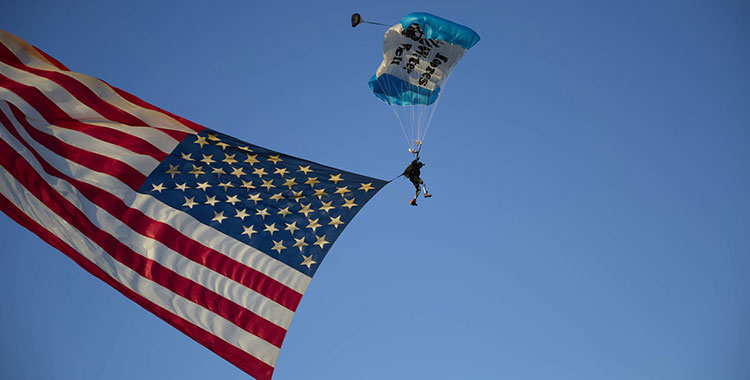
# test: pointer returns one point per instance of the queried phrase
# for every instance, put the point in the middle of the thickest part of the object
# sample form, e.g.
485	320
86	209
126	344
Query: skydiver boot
426	194
413	202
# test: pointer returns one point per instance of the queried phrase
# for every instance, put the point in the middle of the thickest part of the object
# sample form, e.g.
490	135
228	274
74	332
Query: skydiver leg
426	194
413	202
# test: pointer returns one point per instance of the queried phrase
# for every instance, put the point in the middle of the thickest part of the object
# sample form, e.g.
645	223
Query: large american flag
216	236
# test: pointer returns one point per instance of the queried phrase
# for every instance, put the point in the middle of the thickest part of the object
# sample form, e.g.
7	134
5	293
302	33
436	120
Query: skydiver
412	173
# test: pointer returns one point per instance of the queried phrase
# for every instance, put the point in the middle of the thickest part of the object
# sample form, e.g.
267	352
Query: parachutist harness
416	156
413	172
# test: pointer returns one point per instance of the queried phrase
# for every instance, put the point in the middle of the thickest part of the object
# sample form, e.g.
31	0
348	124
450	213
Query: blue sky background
591	168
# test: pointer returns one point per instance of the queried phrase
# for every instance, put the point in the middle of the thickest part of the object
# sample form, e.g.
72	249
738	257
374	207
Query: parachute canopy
419	54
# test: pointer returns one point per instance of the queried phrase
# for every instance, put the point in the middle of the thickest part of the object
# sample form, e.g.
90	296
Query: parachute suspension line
421	126
415	120
403	128
413	123
434	105
395	108
406	115
415	114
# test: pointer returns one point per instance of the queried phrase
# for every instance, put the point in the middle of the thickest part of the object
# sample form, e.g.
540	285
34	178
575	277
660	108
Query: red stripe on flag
56	116
232	354
84	94
93	161
171	237
147	268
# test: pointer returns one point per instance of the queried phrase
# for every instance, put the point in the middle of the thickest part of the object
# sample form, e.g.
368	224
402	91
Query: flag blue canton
287	207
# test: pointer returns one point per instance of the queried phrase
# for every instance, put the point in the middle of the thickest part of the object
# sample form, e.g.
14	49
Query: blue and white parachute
419	54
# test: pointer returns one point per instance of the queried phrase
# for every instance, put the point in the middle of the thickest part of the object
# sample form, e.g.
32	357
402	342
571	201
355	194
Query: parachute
419	54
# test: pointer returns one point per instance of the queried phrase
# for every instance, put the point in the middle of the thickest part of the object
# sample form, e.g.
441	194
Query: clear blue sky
590	163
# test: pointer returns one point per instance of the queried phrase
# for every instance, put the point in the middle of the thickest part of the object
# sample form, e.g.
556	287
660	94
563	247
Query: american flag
216	236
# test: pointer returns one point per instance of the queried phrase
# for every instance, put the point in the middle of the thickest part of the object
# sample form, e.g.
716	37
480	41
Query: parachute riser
415	152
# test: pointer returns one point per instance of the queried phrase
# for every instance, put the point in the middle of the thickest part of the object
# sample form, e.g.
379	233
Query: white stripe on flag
30	57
